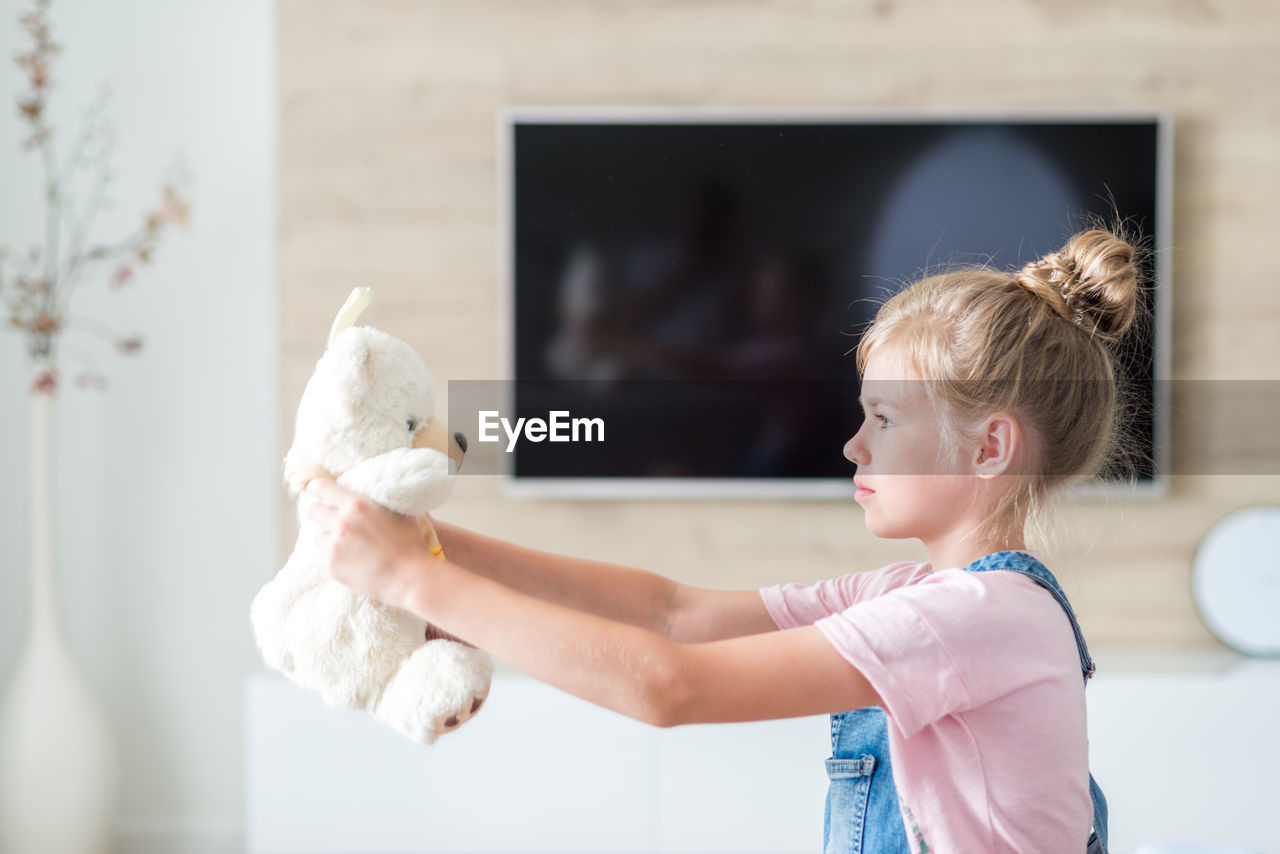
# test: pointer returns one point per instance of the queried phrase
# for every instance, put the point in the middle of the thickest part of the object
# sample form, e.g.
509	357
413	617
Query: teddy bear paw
459	718
439	687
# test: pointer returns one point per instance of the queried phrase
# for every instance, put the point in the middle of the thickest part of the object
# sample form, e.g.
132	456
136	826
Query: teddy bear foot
460	718
439	687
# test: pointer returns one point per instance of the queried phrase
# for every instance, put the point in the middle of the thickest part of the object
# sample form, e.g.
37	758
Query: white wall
167	484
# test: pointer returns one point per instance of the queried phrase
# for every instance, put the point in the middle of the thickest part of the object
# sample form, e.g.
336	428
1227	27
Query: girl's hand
366	547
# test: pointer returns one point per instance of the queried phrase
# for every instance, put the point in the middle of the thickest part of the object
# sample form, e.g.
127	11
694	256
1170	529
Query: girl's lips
862	493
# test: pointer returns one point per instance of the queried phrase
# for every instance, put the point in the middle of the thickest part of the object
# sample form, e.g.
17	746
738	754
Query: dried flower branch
36	287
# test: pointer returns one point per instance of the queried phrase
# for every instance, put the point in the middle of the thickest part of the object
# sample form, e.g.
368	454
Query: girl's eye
884	422
413	423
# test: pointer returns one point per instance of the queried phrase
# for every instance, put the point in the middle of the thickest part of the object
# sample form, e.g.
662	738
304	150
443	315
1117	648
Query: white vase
58	762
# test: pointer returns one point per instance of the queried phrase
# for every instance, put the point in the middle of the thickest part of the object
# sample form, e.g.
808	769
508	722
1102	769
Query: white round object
1236	580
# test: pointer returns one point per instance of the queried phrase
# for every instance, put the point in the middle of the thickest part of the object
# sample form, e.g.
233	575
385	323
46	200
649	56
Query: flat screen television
693	282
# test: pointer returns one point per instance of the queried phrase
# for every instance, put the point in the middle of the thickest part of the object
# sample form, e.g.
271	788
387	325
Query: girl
984	393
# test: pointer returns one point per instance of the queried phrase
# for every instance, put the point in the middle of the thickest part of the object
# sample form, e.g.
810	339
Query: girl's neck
944	555
977	532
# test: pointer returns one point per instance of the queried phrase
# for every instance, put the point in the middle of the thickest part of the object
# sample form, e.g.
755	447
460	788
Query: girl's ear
1001	437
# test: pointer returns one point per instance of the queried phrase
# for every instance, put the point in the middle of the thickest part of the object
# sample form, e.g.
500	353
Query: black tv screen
697	281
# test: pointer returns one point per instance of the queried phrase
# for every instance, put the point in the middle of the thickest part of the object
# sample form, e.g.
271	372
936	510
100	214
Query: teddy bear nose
461	440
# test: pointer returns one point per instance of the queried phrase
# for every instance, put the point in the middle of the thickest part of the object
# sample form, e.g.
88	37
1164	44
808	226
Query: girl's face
907	486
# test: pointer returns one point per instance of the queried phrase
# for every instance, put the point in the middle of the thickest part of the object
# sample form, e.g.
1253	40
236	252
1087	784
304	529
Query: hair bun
1092	281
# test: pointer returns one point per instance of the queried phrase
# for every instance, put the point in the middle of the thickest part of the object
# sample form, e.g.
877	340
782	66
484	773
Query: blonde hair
1035	343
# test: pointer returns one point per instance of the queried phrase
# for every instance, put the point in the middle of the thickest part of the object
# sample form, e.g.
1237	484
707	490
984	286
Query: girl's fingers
327	502
324	515
326	490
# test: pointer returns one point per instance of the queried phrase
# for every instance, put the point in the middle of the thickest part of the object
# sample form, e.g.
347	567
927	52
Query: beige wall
389	177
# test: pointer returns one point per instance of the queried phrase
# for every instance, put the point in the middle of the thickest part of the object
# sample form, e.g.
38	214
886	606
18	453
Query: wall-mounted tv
694	281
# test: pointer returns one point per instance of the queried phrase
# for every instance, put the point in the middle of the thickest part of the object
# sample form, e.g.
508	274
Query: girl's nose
855	451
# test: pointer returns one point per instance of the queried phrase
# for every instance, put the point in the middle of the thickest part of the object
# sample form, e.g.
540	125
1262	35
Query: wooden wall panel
388	177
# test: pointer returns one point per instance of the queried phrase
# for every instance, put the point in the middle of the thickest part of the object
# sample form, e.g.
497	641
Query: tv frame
817	489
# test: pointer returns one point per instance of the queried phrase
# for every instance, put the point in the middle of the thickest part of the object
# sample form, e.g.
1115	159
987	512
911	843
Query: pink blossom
46	382
33	303
122	276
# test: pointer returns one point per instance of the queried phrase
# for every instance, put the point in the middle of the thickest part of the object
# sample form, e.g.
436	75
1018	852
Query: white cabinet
536	771
1186	748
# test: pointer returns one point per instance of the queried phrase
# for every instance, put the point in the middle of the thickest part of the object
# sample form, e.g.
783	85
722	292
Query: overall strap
1025	564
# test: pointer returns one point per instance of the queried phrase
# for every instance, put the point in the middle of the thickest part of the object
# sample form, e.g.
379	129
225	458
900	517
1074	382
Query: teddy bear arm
410	481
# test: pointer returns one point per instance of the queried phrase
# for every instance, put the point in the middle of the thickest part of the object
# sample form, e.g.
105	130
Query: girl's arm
627	668
633	596
630	670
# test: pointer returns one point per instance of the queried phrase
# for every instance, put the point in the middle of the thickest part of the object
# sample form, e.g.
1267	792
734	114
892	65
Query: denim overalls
863	815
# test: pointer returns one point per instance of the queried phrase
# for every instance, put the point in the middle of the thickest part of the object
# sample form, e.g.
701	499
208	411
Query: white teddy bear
366	418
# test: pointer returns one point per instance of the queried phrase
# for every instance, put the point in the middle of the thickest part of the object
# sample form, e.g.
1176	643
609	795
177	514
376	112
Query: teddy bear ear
350	357
355	305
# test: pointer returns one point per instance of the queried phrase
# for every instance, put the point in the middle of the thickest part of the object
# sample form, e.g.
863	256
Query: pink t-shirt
980	680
